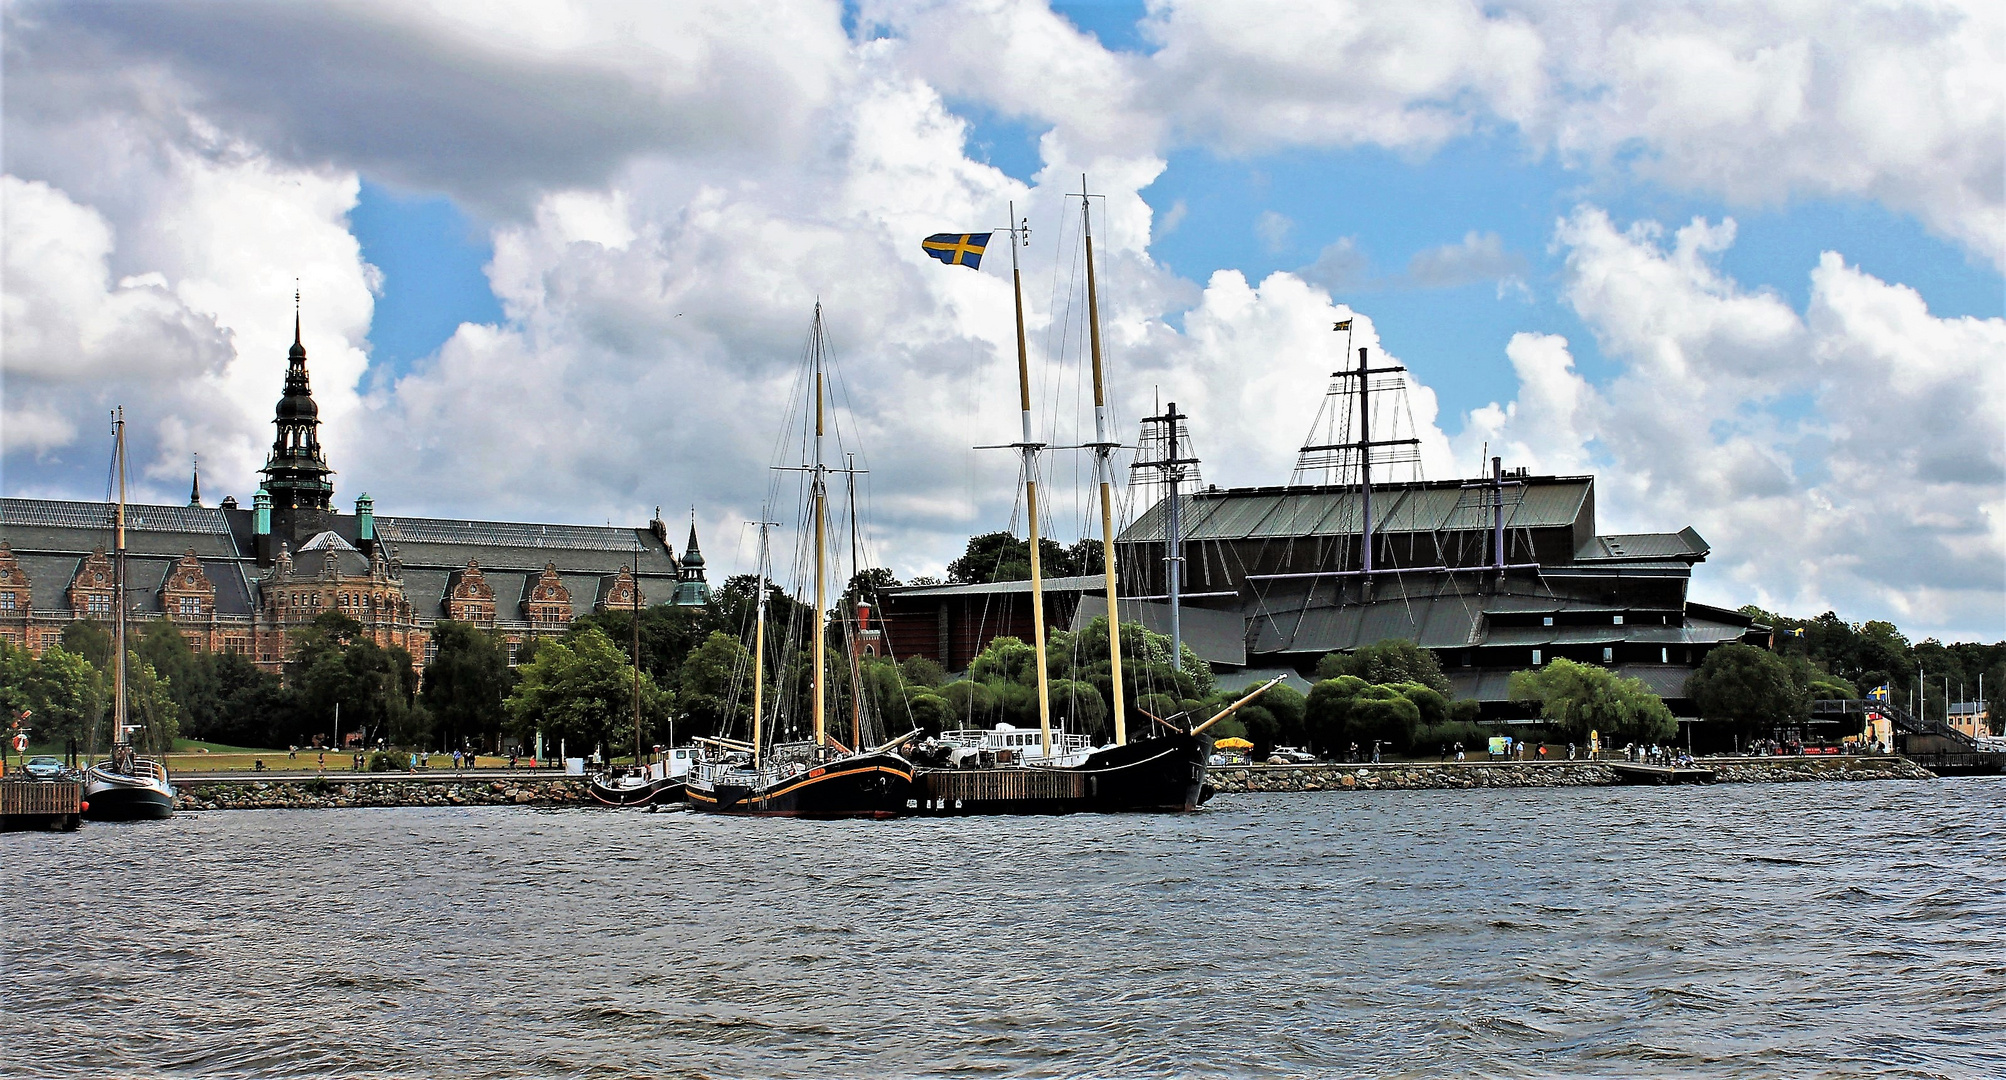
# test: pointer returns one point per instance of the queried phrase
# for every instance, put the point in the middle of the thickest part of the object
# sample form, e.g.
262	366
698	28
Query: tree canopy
580	693
1392	660
1747	690
466	683
1584	698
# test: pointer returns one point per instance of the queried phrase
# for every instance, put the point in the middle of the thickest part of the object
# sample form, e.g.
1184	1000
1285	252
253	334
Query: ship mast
1171	468
119	705
850	627
1020	235
1103	470
759	647
637	656
819	494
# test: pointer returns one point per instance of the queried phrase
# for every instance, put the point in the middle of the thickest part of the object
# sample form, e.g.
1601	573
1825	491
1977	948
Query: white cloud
1477	257
163	342
1753	103
1849	457
1273	229
167	185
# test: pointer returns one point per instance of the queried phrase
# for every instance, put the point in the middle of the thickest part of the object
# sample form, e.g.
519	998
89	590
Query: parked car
1291	755
43	767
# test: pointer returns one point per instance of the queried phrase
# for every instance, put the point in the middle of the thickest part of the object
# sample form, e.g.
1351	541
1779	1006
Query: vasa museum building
240	580
1496	574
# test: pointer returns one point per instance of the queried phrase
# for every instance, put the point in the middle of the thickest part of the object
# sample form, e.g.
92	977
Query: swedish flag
957	249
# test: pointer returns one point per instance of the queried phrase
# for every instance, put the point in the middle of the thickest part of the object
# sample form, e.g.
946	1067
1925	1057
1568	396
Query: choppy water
1779	930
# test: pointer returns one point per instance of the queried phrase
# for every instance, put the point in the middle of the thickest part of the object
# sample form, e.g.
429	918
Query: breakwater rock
317	794
1414	775
1411	775
1779	769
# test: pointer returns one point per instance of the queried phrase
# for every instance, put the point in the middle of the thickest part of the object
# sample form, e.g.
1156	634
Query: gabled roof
327	541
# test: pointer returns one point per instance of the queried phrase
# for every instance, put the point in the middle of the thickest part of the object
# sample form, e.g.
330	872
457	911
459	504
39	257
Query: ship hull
651	794
862	786
117	797
1157	775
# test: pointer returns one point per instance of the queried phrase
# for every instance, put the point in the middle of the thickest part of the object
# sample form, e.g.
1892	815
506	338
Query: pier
54	805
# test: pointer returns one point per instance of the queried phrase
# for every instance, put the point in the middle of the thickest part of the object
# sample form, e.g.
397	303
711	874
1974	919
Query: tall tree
708	694
189	676
467	683
579	693
1747	690
1584	698
1393	660
1004	556
91	640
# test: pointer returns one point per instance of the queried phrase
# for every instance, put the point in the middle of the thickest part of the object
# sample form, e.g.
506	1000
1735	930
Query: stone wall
315	794
1479	774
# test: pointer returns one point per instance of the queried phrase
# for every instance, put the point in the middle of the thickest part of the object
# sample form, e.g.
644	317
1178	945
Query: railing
1899	715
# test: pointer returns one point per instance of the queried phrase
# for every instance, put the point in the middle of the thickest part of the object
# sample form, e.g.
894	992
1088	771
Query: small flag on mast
957	249
1345	325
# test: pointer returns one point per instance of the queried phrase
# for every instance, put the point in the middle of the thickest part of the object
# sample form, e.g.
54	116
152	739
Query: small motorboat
656	784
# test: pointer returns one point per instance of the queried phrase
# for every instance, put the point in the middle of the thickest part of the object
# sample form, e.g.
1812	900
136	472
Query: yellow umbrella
1234	744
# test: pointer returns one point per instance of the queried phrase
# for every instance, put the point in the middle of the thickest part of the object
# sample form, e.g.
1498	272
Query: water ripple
1794	929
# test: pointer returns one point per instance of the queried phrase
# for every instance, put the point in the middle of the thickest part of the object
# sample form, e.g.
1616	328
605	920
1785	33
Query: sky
558	261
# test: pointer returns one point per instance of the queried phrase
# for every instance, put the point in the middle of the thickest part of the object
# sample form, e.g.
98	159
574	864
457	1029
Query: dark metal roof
1686	545
1280	513
1218	637
1052	585
70	514
509	534
1436	622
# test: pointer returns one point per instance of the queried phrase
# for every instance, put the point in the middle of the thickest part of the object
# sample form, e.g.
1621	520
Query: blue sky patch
432	257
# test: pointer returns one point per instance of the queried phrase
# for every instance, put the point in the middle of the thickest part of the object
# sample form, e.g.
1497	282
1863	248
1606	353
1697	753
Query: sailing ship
824	778
655	783
124	786
1162	770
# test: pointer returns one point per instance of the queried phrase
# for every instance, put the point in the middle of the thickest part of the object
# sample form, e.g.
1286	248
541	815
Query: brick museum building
241	580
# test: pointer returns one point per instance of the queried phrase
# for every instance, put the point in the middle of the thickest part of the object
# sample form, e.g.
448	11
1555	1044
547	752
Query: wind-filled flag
957	249
1880	693
1345	325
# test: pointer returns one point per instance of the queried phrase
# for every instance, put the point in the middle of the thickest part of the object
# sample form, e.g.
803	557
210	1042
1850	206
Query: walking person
1375	750
1459	751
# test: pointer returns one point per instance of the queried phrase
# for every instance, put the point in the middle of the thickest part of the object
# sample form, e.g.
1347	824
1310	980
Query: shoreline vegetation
354	790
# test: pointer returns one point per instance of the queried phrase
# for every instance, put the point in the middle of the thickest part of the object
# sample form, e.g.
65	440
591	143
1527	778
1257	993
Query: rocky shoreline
330	793
1428	775
327	794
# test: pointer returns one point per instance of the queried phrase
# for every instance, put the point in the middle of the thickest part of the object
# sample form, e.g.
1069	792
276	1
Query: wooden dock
1023	790
56	805
1635	773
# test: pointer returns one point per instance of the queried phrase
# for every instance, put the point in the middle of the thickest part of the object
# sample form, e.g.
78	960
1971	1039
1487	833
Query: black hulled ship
1164	771
821	779
124	786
